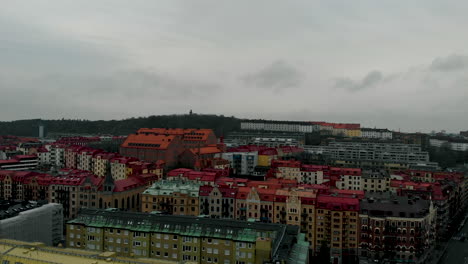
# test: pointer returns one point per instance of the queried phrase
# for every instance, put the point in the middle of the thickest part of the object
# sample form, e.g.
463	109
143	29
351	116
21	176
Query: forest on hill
219	123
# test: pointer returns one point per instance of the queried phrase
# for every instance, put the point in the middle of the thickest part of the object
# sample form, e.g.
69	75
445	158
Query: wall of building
43	224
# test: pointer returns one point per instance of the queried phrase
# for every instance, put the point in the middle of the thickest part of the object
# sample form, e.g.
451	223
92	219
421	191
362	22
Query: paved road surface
457	251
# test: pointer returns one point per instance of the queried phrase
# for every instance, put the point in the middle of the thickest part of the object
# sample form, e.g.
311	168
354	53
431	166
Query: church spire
108	181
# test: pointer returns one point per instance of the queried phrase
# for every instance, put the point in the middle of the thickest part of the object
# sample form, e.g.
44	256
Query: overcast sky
390	64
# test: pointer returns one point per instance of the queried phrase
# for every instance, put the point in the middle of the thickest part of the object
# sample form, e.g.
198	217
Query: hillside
219	123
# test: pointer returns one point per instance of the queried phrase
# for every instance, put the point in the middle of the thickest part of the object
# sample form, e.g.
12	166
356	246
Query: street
457	251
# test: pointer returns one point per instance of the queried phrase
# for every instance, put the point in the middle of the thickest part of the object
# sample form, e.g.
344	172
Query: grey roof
388	205
283	236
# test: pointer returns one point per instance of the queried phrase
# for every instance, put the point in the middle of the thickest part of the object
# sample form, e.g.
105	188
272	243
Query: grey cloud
277	76
370	80
105	93
450	63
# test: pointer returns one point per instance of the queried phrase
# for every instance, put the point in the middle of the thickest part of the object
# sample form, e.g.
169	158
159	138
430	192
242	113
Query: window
227	252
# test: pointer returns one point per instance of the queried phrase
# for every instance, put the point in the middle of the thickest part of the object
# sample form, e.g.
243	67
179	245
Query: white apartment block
454	145
376	133
54	156
276	142
280	126
243	163
392	152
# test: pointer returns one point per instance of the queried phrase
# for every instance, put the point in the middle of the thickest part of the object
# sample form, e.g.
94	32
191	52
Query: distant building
42	133
376	133
185	238
249	137
276	142
280	126
456	144
464	134
32	222
372	155
153	144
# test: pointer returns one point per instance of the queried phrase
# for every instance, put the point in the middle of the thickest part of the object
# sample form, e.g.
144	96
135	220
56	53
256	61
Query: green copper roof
168	187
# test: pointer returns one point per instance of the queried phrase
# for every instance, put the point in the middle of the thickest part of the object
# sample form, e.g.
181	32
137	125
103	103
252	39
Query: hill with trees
219	123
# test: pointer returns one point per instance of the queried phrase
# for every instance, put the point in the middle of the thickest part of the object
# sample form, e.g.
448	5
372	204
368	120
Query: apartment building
375	181
217	202
101	161
74	189
456	144
185	238
337	220
242	163
372	155
176	197
397	228
375	133
287	169
282	126
249	137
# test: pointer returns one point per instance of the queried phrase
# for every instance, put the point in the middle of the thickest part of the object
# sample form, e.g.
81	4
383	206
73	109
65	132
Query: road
457	251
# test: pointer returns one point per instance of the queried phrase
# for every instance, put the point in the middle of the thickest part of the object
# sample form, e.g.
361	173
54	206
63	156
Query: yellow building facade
177	238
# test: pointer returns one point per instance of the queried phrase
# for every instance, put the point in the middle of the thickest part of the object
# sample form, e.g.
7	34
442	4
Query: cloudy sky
396	64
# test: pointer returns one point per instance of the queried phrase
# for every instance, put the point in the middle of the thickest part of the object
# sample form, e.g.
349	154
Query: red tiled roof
127	184
228	192
206	150
242	193
285	163
205	190
268	152
337	203
187	134
148	141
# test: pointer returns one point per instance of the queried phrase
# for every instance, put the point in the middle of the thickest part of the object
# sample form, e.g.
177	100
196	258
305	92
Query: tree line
220	124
